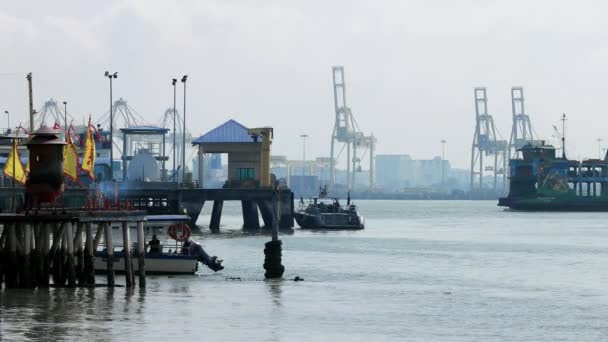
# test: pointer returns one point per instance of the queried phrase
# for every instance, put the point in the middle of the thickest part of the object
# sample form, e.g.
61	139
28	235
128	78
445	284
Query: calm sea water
420	271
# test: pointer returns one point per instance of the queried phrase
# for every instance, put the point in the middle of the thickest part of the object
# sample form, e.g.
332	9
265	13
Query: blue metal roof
144	130
228	132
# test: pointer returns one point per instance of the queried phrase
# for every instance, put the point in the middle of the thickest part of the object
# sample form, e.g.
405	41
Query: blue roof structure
229	132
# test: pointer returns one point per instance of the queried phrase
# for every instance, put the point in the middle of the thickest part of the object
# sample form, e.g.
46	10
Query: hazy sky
411	66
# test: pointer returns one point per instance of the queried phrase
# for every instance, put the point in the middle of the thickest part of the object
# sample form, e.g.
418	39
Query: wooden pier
61	245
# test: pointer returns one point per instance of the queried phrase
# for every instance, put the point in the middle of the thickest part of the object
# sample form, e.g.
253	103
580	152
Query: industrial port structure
490	153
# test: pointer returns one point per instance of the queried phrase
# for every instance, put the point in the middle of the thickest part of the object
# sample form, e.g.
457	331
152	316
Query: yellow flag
88	158
70	160
13	167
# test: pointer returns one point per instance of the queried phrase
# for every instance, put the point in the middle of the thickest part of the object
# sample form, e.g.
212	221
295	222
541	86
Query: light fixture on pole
111	76
184	79
65	119
173	83
303	136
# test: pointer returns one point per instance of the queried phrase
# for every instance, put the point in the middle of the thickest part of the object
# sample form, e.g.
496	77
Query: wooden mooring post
141	254
126	241
109	253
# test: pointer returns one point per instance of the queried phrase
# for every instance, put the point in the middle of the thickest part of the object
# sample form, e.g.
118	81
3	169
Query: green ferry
541	181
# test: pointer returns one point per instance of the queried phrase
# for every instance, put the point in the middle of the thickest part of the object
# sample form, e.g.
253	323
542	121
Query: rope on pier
272	260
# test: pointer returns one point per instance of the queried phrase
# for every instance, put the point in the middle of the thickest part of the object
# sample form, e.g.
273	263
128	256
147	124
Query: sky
410	66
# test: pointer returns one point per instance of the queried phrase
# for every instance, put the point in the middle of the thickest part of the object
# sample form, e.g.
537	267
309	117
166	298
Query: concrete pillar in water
141	252
266	211
250	215
126	241
216	215
69	240
55	254
109	253
79	249
11	271
27	250
3	254
43	280
201	175
89	256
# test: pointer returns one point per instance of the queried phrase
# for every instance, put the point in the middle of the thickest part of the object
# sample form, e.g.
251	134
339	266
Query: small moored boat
323	214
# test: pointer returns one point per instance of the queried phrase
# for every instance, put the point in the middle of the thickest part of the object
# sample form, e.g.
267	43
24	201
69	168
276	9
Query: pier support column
286	211
266	211
89	259
27	250
201	167
141	252
79	249
55	255
126	241
46	231
3	254
250	215
216	216
11	271
109	253
69	240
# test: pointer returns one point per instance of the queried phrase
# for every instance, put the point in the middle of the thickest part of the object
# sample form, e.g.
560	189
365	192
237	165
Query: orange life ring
175	228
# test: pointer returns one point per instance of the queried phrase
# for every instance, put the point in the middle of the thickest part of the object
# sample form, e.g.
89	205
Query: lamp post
303	136
65	119
111	76
184	79
8	121
173	83
599	148
443	162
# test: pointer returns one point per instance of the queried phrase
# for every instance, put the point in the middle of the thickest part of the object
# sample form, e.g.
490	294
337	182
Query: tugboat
322	214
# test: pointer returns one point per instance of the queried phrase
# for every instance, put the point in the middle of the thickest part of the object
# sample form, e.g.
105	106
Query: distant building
394	171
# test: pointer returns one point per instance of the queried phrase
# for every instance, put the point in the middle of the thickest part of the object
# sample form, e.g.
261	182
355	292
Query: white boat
169	261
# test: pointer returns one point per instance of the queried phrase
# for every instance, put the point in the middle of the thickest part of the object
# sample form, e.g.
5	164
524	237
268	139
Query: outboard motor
212	262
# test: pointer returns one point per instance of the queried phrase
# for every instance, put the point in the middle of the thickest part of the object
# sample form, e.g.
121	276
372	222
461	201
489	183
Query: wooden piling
126	240
3	254
109	253
89	252
141	252
70	267
56	255
216	216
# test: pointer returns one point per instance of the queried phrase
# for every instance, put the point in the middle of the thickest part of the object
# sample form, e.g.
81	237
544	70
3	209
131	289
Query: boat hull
155	264
582	204
329	221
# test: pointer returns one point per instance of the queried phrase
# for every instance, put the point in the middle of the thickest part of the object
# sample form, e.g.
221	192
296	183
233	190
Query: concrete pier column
286	210
250	215
109	253
266	211
55	254
89	253
71	269
45	232
27	250
79	250
141	253
216	216
11	274
201	167
3	254
126	241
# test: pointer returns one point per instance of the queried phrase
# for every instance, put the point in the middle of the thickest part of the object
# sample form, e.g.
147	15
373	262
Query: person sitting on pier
154	245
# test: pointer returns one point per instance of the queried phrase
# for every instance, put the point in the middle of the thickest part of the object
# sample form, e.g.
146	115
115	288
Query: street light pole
599	148
443	162
65	119
184	79
173	82
8	121
303	136
111	76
